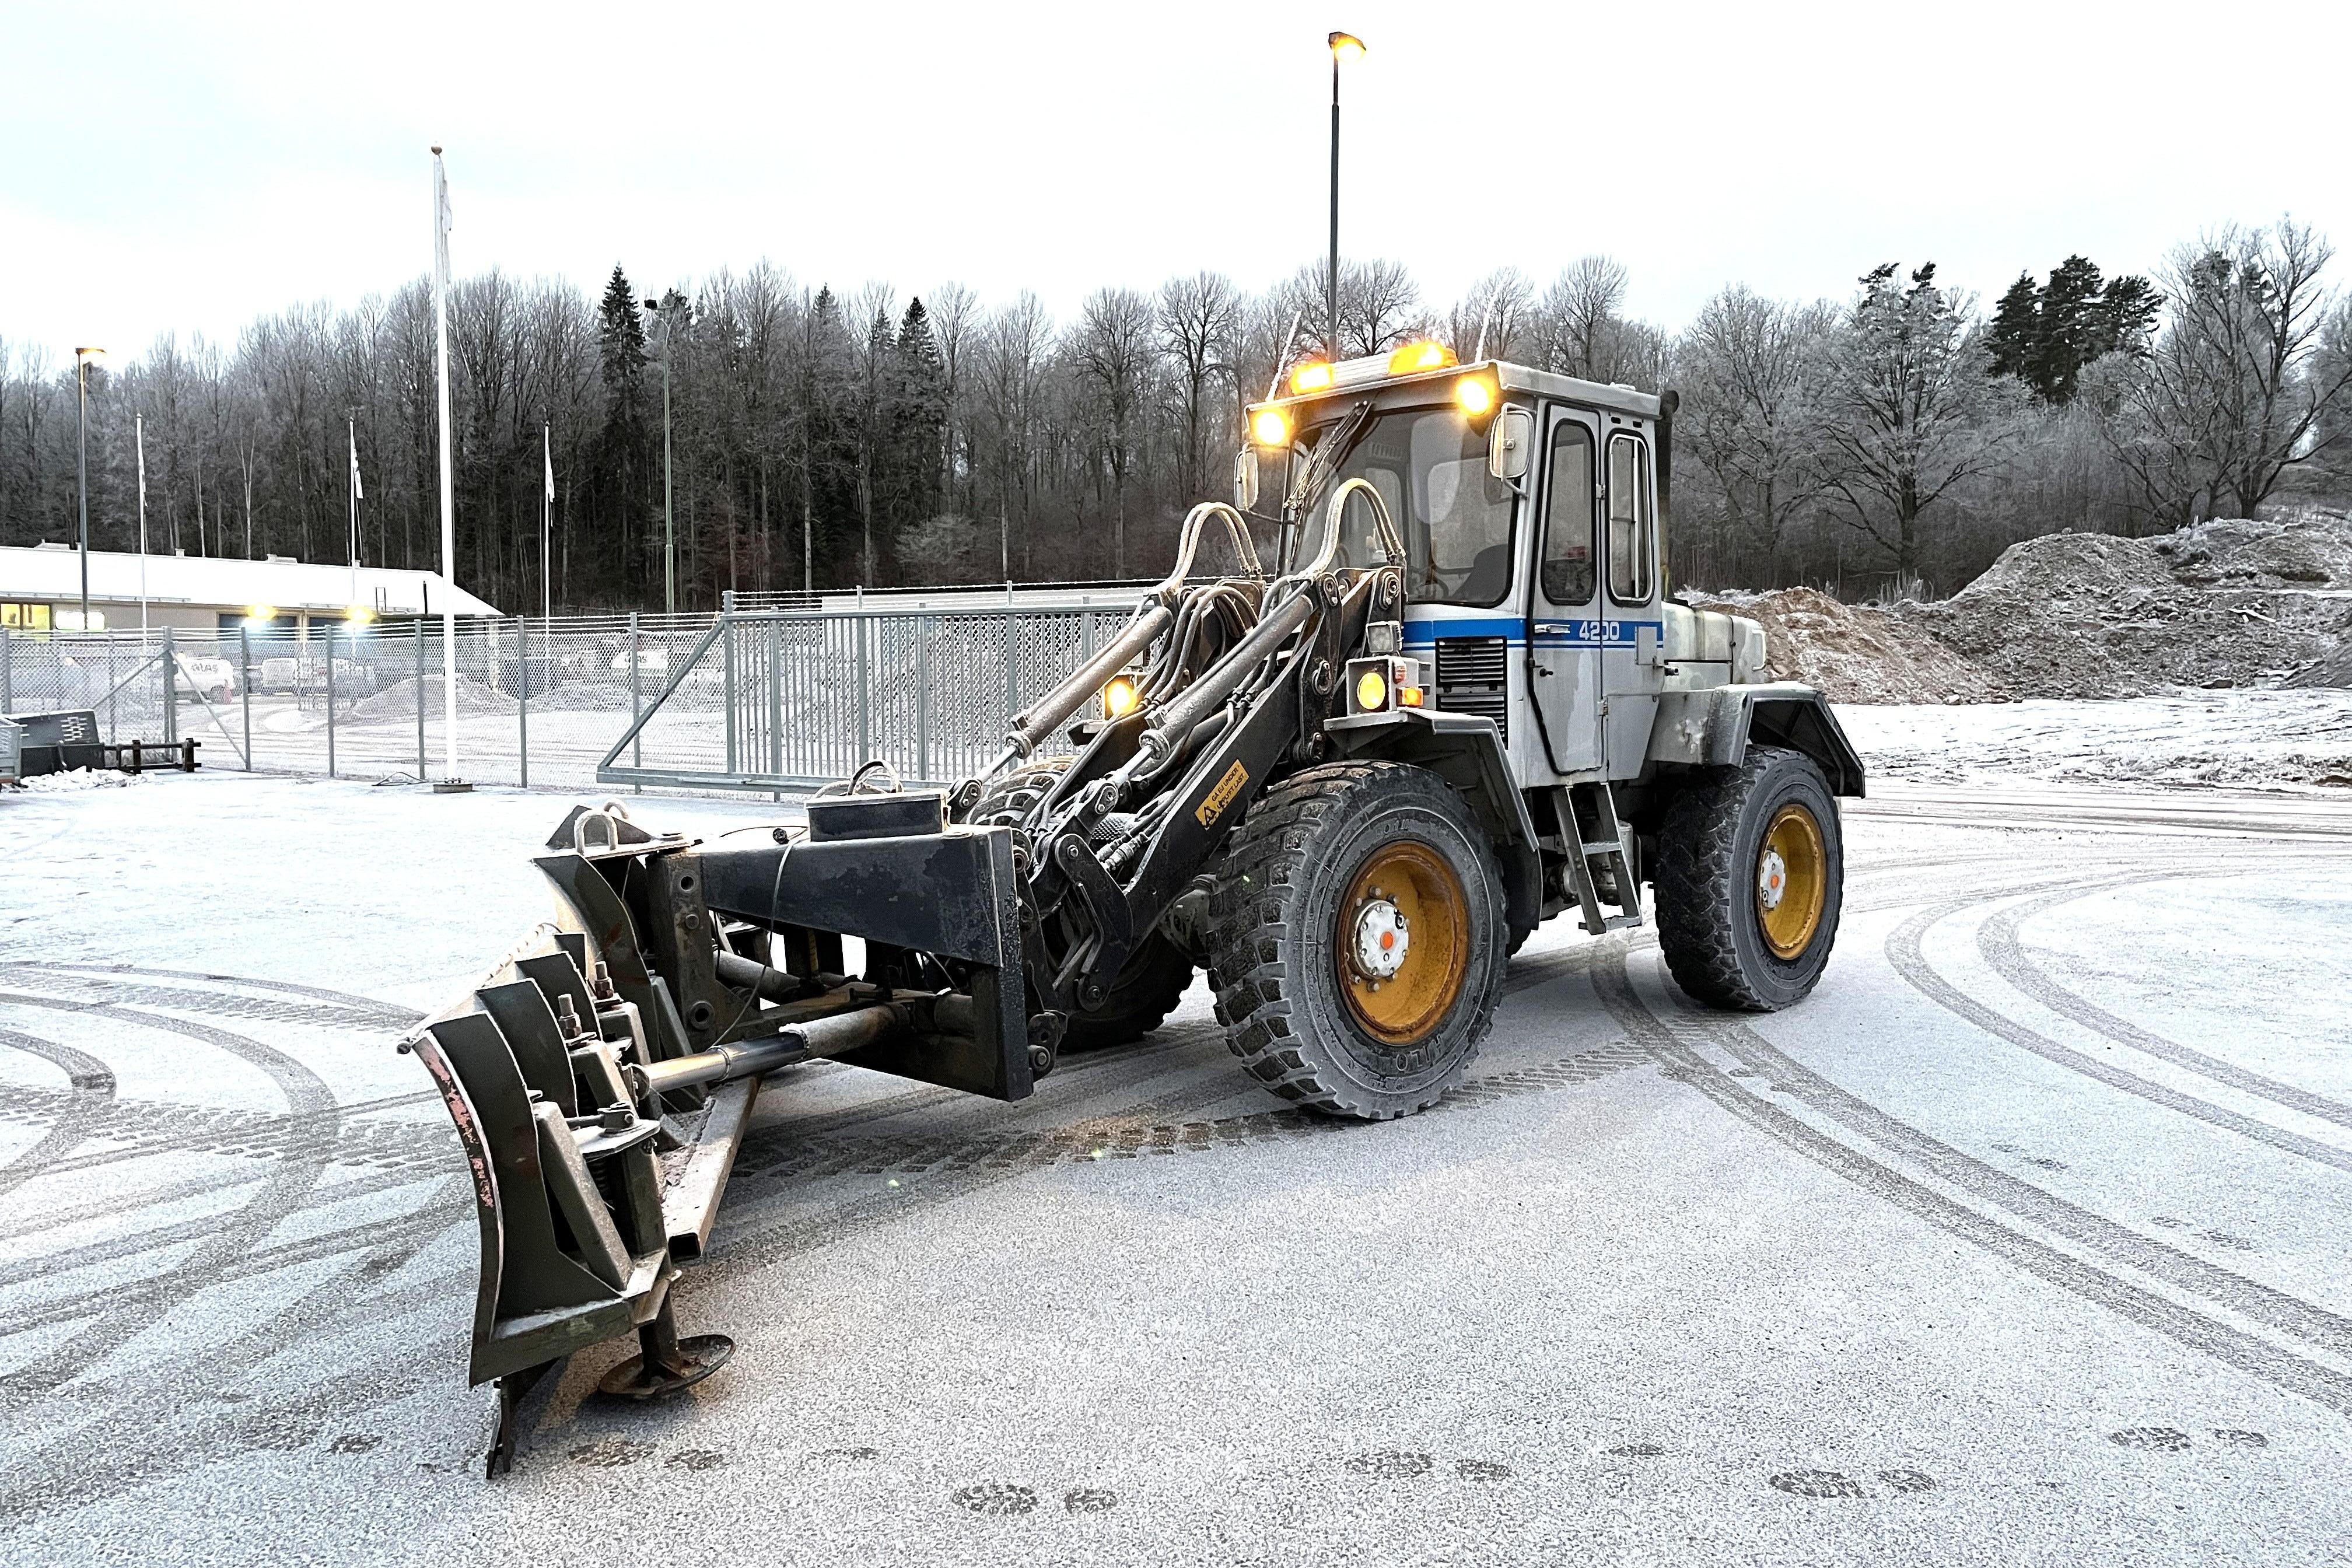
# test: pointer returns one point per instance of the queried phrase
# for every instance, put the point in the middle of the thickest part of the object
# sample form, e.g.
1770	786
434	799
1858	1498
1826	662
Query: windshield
1430	465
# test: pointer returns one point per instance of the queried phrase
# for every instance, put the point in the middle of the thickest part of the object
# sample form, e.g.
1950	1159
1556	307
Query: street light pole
1344	46
669	521
81	465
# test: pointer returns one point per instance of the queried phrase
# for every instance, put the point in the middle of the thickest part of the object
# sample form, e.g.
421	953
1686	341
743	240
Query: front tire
1359	940
1751	882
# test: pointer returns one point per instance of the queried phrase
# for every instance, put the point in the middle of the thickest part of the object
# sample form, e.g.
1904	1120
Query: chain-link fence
773	699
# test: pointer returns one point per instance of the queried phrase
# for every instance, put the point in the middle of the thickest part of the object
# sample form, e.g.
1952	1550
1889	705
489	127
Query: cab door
1564	619
1632	626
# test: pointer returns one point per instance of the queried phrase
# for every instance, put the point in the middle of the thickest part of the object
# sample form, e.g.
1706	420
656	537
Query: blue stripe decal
1547	633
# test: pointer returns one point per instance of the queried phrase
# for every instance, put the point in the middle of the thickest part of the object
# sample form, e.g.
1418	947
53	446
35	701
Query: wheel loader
1345	787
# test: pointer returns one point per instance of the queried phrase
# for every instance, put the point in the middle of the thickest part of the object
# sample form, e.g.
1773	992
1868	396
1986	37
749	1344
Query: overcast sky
185	167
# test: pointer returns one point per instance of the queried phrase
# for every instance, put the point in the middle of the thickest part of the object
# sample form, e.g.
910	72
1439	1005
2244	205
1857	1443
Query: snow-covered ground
2024	1239
2288	739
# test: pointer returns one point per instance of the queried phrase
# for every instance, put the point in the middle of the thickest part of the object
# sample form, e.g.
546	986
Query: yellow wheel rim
1792	881
1402	991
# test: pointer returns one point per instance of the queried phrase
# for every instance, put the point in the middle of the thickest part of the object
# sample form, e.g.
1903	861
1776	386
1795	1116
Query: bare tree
955	320
1114	352
1198	320
2237	389
1745	369
1909	406
1496	318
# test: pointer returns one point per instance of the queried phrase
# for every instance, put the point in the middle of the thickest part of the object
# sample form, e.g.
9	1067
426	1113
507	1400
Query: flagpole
448	521
139	430
351	430
547	526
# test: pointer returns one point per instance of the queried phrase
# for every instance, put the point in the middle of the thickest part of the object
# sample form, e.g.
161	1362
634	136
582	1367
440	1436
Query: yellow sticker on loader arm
1212	805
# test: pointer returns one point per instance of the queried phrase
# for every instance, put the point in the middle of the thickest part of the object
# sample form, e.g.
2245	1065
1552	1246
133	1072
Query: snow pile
398	700
2235	740
2230	603
1854	653
585	697
79	779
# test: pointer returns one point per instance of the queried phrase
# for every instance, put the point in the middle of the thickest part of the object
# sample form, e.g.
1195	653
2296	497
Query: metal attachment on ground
664	1362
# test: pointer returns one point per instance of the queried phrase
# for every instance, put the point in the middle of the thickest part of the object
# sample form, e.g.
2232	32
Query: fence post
776	701
923	699
170	691
864	697
110	734
727	679
1012	661
330	699
523	697
245	687
417	631
7	673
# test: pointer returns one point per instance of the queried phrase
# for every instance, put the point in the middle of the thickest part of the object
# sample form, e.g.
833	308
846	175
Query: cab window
1630	547
1430	465
1567	575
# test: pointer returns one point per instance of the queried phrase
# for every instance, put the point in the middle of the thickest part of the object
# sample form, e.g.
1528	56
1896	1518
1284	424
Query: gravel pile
1854	653
398	700
584	697
2230	603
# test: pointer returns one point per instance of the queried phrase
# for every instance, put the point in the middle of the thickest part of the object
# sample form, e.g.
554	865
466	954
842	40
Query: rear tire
1323	866
1733	936
1157	975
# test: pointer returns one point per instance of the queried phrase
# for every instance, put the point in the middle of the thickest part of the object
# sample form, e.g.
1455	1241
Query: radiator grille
1474	677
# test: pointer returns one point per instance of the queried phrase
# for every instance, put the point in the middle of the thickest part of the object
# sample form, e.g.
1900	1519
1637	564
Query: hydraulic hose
1049	712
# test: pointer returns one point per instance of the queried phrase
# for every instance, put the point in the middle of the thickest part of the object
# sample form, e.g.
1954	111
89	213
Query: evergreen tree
2126	317
914	427
618	460
2070	305
2014	336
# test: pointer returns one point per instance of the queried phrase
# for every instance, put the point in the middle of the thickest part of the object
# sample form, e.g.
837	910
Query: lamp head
1346	46
90	353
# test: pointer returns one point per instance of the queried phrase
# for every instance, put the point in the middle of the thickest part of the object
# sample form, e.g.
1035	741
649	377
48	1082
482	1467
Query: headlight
1119	697
1270	427
1371	693
1475	395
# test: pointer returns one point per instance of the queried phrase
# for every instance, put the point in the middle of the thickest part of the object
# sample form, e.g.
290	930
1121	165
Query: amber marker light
1270	427
1475	395
1119	698
1420	356
1312	377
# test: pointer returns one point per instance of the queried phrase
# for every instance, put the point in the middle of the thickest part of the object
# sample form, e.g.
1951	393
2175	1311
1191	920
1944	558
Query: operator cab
1527	504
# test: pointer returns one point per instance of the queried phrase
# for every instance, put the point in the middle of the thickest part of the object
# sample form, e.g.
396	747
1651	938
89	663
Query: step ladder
1597	845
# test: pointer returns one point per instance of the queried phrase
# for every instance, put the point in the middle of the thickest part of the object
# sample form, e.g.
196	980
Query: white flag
547	450
442	220
357	493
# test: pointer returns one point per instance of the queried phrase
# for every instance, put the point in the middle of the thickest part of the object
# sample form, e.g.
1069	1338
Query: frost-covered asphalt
2024	1240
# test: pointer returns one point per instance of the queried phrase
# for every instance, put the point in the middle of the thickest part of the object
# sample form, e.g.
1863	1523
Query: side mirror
1510	440
1245	479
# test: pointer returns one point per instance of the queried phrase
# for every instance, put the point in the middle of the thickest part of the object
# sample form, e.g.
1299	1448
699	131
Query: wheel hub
1383	936
1792	880
1403	942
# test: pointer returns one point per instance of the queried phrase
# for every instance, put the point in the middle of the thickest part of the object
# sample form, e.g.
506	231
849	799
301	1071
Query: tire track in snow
2312	1380
76	1108
2004	950
1905	951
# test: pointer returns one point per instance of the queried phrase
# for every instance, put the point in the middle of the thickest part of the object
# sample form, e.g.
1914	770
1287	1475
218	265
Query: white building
41	589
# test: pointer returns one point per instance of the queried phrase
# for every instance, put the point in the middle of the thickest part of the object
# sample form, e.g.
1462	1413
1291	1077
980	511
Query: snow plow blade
602	1074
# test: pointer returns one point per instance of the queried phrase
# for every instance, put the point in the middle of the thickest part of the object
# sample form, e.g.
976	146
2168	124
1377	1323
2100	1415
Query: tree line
812	439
